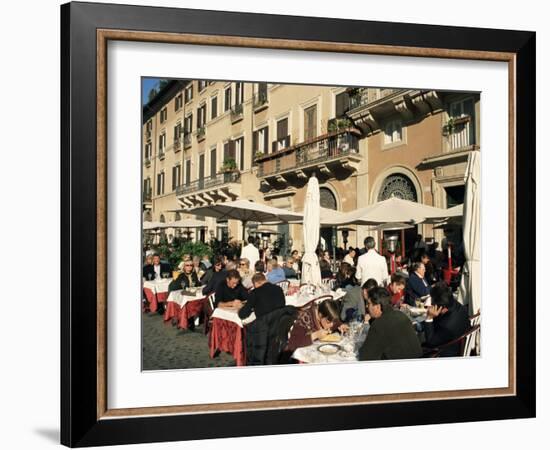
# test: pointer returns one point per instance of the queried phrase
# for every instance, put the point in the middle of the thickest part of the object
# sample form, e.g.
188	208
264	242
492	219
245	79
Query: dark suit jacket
214	281
149	270
447	327
391	336
415	288
263	300
182	282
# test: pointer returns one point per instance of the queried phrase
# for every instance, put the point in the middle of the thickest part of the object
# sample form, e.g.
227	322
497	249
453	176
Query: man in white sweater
250	252
371	264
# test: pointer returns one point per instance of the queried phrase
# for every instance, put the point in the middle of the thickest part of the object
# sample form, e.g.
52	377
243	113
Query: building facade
207	142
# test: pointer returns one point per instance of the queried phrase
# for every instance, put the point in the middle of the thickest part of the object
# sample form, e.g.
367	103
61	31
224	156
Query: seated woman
188	278
314	322
246	273
230	290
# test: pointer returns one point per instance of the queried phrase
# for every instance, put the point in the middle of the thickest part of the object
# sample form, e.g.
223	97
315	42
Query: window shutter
255	142
174	178
213	163
266	139
282	129
242	153
214	107
342	104
232	150
226	151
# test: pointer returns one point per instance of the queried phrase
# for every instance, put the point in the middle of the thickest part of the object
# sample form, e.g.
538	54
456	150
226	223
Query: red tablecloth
154	299
228	337
188	311
172	311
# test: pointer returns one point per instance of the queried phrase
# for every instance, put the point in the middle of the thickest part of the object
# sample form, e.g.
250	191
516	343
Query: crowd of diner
377	294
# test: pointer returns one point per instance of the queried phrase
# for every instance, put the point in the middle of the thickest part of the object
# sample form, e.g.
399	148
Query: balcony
224	186
187	140
460	133
332	155
280	144
147	161
177	145
201	132
259	101
370	107
236	113
162	153
147	196
148	135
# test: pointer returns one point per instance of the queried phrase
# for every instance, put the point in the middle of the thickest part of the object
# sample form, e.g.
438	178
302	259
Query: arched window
147	217
162	219
398	185
327	198
177	217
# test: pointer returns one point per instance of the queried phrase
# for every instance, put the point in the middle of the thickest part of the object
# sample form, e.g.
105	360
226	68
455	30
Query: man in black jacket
265	297
391	335
157	270
447	320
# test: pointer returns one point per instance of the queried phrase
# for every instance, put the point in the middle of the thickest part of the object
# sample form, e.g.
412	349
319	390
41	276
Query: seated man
274	272
396	288
288	269
391	335
417	285
157	269
265	297
447	320
230	290
188	278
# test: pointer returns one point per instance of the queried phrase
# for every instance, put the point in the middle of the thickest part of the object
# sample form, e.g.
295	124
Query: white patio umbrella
186	223
470	286
311	273
153	225
391	210
245	211
454	213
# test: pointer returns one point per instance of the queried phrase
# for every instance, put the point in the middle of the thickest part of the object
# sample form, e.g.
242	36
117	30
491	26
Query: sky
146	85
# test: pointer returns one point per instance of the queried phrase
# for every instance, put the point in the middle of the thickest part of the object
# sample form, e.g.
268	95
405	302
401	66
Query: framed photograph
282	224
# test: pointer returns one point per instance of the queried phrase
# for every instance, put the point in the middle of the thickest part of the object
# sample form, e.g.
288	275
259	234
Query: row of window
236	91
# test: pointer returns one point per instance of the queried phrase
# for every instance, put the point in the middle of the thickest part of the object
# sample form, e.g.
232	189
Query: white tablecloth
158	286
232	315
299	299
181	299
312	355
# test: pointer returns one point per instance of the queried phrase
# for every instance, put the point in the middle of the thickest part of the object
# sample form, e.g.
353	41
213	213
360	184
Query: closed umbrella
311	273
470	286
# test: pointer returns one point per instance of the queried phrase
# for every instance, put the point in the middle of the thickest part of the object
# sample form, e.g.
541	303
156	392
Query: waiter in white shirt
371	264
250	252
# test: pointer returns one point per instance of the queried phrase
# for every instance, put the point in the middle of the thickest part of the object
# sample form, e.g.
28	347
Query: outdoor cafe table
183	306
227	333
156	291
346	353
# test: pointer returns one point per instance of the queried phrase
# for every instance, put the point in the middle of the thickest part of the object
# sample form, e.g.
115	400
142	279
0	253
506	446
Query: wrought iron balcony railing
236	112
187	140
200	133
314	152
259	99
364	96
177	145
147	195
208	183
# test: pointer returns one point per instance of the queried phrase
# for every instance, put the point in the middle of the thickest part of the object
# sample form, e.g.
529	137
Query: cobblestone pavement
166	347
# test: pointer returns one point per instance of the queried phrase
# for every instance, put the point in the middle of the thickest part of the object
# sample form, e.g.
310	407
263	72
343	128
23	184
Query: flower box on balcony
453	123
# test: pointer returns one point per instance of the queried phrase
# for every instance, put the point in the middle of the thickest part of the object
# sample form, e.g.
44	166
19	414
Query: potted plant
229	165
